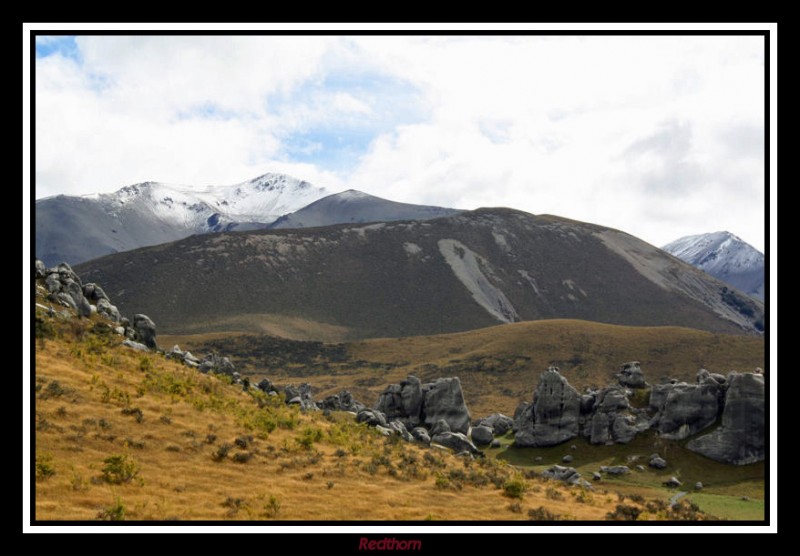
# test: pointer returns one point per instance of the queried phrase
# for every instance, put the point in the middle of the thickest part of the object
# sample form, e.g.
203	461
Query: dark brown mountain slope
456	273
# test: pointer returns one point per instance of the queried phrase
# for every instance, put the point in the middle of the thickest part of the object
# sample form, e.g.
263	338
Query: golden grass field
121	434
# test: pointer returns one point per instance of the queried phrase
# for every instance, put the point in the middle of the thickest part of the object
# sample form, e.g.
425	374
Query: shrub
116	512
135	411
119	469
242	457
272	508
233	505
308	436
44	467
542	514
515	507
624	512
221	452
515	487
553	494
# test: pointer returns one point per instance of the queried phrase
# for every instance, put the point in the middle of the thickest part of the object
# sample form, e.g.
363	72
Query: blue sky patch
65	45
337	118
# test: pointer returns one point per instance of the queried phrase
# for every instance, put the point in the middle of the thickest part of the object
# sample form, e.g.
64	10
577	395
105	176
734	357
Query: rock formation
553	416
740	439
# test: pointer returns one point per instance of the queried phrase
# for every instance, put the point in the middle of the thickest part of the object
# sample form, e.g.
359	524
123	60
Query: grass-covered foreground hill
121	434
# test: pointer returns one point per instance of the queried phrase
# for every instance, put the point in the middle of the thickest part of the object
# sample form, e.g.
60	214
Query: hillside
450	274
499	366
724	256
126	435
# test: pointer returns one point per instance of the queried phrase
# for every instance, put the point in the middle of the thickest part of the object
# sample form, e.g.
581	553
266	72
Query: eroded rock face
415	404
631	375
343	401
554	415
499	423
302	396
740	438
402	401
614	419
684	409
145	330
444	399
456	441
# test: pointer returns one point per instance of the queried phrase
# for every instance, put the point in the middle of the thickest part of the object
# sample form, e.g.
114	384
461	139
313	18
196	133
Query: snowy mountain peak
725	256
152	212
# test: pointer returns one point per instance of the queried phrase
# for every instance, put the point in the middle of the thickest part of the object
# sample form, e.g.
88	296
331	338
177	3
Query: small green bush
515	487
272	508
118	469
116	512
44	467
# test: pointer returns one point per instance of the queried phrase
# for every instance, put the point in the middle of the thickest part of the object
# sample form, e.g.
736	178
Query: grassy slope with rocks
499	366
124	435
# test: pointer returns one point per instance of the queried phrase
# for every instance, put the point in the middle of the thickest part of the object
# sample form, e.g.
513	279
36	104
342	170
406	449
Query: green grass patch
728	507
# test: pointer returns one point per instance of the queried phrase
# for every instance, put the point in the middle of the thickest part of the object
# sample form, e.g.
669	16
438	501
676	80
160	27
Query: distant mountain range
78	229
388	279
724	256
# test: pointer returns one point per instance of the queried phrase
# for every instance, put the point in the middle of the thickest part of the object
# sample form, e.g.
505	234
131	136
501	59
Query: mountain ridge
79	228
449	274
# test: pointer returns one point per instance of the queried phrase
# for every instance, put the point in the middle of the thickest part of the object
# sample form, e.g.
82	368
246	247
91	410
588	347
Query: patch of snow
466	265
412	248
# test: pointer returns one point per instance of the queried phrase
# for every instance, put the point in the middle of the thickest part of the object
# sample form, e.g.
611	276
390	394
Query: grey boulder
420	434
684	409
741	437
499	423
555	413
630	375
657	462
371	417
145	330
569	475
482	435
456	441
444	399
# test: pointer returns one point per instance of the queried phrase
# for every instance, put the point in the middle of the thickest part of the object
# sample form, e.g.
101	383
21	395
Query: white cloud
545	124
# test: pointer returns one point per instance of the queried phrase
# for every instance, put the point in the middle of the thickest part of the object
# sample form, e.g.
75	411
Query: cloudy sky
658	136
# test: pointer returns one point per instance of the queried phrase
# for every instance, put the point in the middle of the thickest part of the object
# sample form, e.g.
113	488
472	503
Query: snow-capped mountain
76	229
724	256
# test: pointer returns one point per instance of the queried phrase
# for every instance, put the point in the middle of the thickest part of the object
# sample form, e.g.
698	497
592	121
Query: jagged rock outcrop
631	375
569	475
145	330
415	403
420	434
371	417
741	437
685	409
553	417
456	441
343	401
444	399
499	423
217	364
301	395
403	401
614	420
